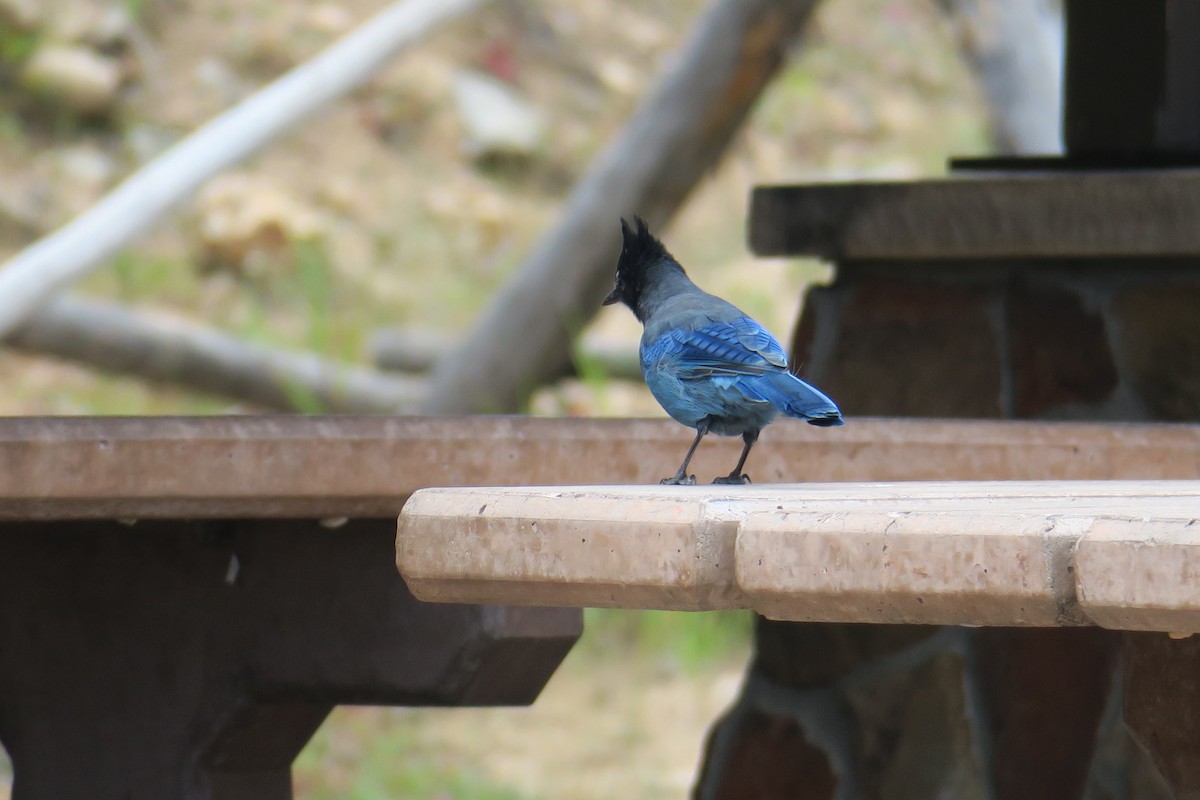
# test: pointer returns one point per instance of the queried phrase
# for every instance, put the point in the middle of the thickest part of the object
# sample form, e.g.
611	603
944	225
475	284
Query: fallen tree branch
674	138
416	350
1015	48
172	351
33	276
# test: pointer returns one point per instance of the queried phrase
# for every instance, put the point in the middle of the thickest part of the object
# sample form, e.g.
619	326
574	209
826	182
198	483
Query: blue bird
707	364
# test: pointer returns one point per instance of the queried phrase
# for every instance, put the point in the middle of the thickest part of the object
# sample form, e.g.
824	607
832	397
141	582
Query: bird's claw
679	480
733	480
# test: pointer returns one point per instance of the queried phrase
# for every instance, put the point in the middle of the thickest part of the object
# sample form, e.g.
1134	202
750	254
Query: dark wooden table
182	601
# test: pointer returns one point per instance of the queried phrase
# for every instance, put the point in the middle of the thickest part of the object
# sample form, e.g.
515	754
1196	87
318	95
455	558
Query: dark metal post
1132	81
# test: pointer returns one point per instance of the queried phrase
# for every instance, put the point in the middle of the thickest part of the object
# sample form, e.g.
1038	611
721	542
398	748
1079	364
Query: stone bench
1082	678
1119	554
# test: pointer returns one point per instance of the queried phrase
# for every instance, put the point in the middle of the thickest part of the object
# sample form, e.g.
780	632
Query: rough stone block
1162	705
819	312
808	654
902	348
893	725
1044	693
764	756
933	752
1058	351
1159	329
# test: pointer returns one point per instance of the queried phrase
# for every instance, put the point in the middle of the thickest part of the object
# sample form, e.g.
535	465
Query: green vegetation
386	762
16	46
695	642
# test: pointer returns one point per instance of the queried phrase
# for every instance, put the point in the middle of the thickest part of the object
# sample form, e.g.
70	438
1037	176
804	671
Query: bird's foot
679	479
733	479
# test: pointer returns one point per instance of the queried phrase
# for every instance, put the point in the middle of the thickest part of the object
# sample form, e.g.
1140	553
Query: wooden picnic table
182	601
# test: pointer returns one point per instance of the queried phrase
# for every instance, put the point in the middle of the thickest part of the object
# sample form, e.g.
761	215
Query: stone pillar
1162	706
1057	293
1012	339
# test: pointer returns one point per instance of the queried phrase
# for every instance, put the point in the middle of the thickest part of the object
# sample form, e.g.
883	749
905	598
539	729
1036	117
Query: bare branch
172	351
1016	49
674	138
37	273
417	350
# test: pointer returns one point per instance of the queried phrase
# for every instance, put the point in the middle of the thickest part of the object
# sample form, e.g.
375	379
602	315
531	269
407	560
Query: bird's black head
639	252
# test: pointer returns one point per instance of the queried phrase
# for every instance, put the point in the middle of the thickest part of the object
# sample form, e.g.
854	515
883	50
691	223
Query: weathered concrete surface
625	547
976	553
1141	575
909	566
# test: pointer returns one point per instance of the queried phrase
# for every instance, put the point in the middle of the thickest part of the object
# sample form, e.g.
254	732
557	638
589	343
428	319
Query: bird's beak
613	297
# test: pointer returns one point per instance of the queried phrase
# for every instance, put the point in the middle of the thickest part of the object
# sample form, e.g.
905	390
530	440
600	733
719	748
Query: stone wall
1052	340
890	712
837	712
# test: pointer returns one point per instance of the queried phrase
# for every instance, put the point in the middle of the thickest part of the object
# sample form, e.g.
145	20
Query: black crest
639	251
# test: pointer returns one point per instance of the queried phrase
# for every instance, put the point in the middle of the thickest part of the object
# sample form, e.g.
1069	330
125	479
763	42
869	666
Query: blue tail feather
795	398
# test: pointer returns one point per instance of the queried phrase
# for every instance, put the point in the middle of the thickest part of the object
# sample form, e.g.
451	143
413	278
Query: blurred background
398	212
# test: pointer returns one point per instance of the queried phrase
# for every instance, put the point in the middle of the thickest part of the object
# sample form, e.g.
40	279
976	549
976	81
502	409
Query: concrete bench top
1119	554
312	467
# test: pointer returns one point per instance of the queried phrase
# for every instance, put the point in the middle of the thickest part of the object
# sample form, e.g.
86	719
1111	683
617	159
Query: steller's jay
708	365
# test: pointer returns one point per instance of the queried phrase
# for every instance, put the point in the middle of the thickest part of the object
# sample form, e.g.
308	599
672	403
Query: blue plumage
709	365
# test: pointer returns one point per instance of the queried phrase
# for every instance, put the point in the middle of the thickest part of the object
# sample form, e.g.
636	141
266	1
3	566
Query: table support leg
194	660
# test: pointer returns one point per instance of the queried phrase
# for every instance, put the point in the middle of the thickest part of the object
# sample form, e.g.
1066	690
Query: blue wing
727	369
722	349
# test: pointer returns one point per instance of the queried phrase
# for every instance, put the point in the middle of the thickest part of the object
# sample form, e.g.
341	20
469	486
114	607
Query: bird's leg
681	478
736	477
